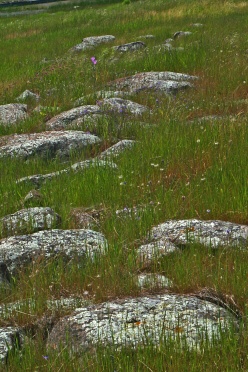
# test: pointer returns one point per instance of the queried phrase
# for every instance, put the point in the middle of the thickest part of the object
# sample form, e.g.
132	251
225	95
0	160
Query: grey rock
29	220
100	95
12	113
64	119
197	25
153	280
117	149
18	251
167	82
180	34
142	321
122	106
147	253
147	37
27	94
33	197
130	47
38	179
212	233
45	144
10	338
92	42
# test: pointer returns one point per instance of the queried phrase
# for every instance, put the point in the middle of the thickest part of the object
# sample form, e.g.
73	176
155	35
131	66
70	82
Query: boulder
122	106
29	220
179	34
130	47
12	113
10	338
212	233
153	280
38	179
117	149
92	42
167	82
28	95
46	144
17	251
142	321
64	119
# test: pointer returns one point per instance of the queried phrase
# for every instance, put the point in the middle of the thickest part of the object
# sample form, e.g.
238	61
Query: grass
177	169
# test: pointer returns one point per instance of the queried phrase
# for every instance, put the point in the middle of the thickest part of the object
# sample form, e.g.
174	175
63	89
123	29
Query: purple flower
93	60
45	357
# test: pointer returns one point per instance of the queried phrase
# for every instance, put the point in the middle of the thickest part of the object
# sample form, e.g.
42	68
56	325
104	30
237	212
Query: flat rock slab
29	220
49	144
10	337
122	106
142	321
38	179
92	41
12	113
66	118
167	82
212	233
130	47
17	251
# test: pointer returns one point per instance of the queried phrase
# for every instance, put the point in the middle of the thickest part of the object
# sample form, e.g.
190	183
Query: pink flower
93	60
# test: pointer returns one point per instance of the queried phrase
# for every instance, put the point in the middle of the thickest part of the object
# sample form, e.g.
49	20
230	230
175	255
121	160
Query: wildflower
93	60
208	211
198	141
45	357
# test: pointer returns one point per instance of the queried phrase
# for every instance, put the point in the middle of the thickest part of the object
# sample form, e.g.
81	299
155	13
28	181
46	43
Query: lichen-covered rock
33	197
28	95
180	34
10	338
17	251
12	113
29	220
167	82
146	253
130	47
46	144
38	179
142	321
212	233
92	42
100	95
64	119
117	149
122	106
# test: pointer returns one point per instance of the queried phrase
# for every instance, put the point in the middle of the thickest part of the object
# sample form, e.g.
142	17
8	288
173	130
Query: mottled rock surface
12	113
130	47
210	233
167	82
28	95
179	34
46	144
10	338
153	280
123	106
142	321
29	220
92	42
117	149
38	179
17	251
66	118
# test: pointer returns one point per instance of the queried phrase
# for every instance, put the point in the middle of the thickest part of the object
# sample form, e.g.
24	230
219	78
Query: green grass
178	168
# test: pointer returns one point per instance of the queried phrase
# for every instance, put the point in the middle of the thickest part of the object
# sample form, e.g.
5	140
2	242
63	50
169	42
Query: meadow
180	168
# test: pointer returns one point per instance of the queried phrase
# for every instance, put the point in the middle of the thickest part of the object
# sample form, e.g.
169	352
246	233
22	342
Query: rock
10	338
100	95
92	42
28	95
17	251
45	144
38	179
147	37
153	251
29	220
153	280
83	220
142	321
12	113
179	34
197	25
64	119
122	106
212	233
117	149
167	82
130	47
